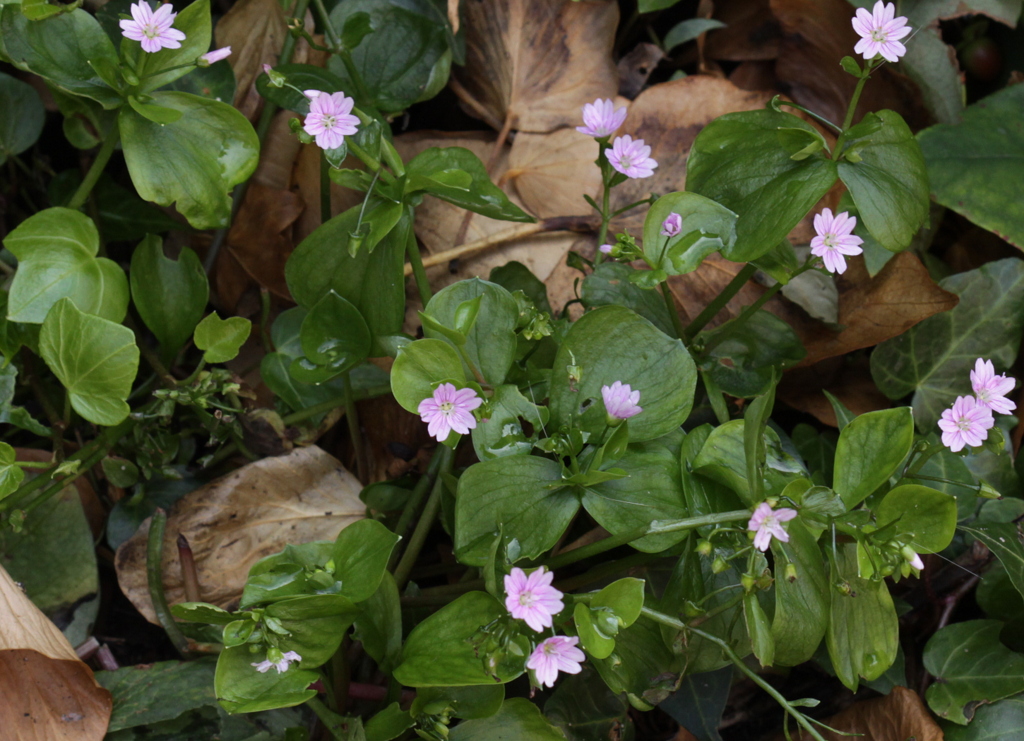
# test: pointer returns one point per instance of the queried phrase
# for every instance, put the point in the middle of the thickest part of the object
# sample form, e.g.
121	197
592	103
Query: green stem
910	471
154	572
96	169
738	322
848	121
423	527
670	304
418	271
412	504
739	663
602	234
325	19
338	401
719	302
656	527
352	418
327	717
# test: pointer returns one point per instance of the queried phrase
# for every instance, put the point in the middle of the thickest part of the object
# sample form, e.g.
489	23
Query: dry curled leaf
898	716
48	693
552	172
751	32
532	64
848	381
261	235
233	522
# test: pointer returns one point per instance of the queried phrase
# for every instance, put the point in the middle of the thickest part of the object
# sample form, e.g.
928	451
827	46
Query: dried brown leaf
48	693
637	66
532	64
552	172
850	382
898	716
306	178
261	235
751	32
240	518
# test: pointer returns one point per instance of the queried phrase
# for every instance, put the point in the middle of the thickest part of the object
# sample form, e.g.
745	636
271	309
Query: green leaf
688	30
420	367
869	450
502	434
314	625
155	113
473	701
221	339
456	175
170	295
514	276
166	65
201	612
242	689
195	161
925	518
761	640
335	335
1005	540
21	116
707	227
744	162
970	666
611	283
934	358
888	182
302	77
379	624
651	490
996	722
973	165
120	472
56	251
404	59
491	342
64	50
95	359
592	639
151	693
11	475
439	652
296	571
521	495
700	701
274	370
360	557
818	449
372	281
801	606
648	6
614	344
642	665
863	630
123	216
586	710
518	718
623	597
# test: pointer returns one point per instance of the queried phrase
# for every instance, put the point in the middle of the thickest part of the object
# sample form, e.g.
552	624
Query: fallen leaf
260	238
255	30
48	693
278	153
240	518
637	66
552	172
871	311
816	34
849	381
306	178
755	75
751	32
532	64
898	716
563	280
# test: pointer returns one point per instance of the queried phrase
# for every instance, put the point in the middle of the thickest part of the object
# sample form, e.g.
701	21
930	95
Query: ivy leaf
95	359
1004	539
888	181
970	665
170	295
11	475
221	338
21	116
193	162
56	251
974	165
933	359
744	161
65	50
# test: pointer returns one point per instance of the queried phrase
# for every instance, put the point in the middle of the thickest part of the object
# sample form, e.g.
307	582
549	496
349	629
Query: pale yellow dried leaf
552	172
233	522
532	64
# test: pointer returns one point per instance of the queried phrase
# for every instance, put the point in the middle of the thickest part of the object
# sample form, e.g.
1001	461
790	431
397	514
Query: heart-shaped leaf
221	339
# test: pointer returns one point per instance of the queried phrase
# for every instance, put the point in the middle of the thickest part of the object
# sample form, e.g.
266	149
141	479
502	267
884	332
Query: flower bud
987	492
790	572
276	78
704	547
719	565
748	581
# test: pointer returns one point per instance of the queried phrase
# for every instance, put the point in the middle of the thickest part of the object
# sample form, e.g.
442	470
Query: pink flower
912	558
965	423
449	409
553	655
330	119
991	389
880	32
152	28
631	158
672	225
532	598
620	401
605	249
267	68
601	118
282	666
767	522
214	56
835	239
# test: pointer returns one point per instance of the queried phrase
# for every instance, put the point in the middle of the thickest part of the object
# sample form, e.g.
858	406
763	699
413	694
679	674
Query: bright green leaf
518	718
802	605
996	722
11	475
925	518
420	367
242	689
360	557
335	335
221	339
707	227
869	450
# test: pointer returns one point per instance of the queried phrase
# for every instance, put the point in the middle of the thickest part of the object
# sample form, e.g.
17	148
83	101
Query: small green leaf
592	639
242	689
869	450
624	597
21	116
221	339
707	227
335	335
360	557
802	605
518	718
195	161
761	640
924	517
888	183
970	665
95	359
56	249
155	113
170	295
473	701
388	724
120	472
688	30
200	612
422	366
11	475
